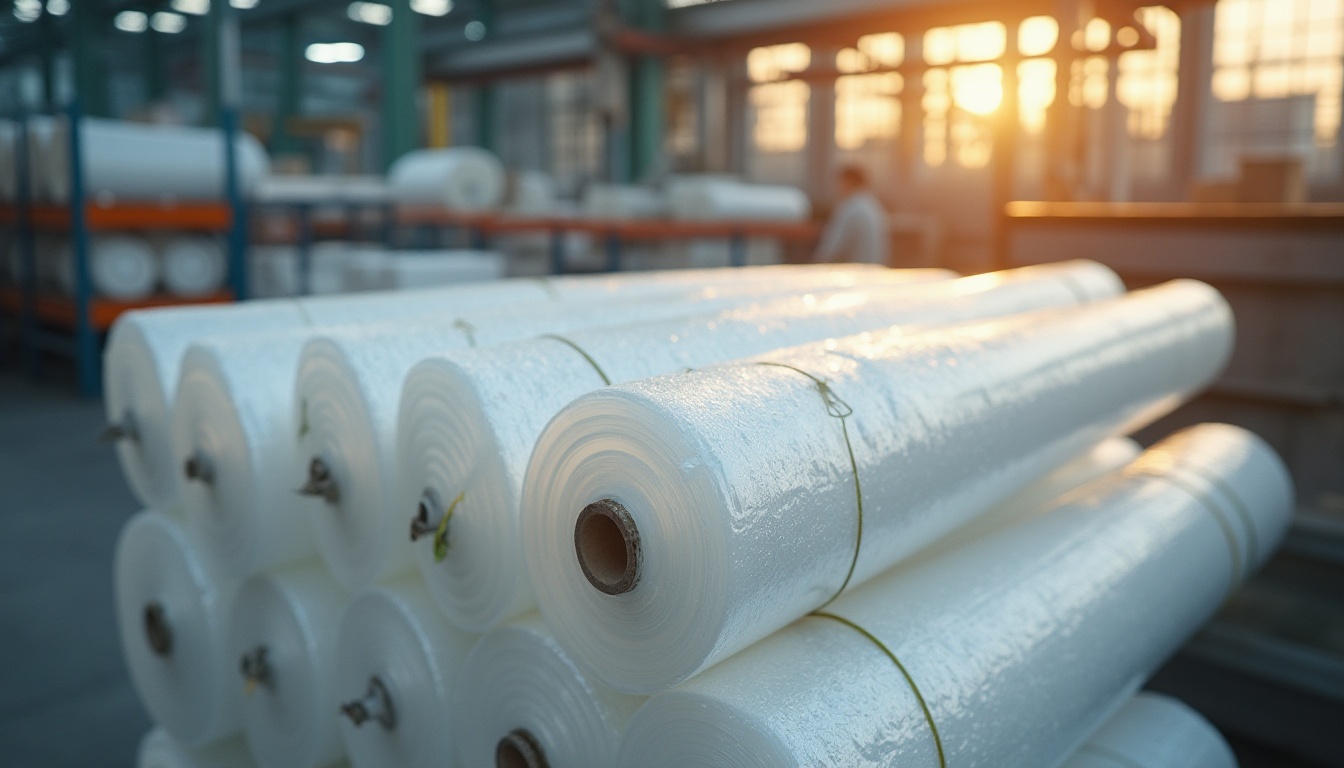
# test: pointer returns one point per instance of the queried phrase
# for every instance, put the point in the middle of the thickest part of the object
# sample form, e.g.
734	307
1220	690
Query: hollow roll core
606	542
518	749
158	633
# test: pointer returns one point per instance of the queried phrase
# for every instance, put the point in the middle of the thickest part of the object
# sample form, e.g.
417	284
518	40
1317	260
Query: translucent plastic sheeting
145	348
121	267
725	199
522	702
1154	731
159	750
128	161
397	665
282	637
193	265
674	521
623	201
469	421
347	392
402	270
1006	653
323	188
171	609
460	178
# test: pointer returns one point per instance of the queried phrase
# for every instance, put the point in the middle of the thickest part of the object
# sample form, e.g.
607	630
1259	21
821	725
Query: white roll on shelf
719	505
282	637
397	665
717	198
1154	731
193	265
171	609
468	422
159	750
461	178
1005	653
121	267
521	701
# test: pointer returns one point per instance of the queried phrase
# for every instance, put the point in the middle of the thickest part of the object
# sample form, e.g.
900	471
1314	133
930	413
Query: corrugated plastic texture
741	483
469	421
1006	653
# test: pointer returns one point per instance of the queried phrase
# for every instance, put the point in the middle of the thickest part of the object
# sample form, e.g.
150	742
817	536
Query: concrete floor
65	698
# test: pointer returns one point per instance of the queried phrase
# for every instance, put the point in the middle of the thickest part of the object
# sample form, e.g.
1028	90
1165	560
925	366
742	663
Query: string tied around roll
375	705
321	482
601	373
909	679
1215	511
467	330
837	408
421	525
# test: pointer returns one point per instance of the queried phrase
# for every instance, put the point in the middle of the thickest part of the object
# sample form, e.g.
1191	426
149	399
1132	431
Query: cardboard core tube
606	541
158	633
518	749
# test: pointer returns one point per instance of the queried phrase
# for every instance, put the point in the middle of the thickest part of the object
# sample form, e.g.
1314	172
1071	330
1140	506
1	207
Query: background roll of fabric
468	423
233	419
1154	731
460	178
121	267
193	265
1008	652
715	198
939	426
517	678
285	622
159	750
393	634
138	161
171	608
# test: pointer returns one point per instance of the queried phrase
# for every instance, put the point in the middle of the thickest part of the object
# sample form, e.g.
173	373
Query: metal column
401	78
288	103
647	85
87	22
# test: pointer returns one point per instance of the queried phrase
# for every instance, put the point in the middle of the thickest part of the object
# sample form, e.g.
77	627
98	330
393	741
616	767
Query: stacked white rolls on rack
718	198
138	161
1154	731
397	664
460	178
171	607
469	422
522	701
1007	652
193	265
159	750
718	505
122	267
282	637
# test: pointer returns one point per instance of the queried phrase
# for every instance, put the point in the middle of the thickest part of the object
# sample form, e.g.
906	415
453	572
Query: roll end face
519	749
607	544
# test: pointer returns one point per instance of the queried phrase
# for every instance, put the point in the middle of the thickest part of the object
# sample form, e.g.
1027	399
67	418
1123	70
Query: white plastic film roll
461	178
282	638
171	609
138	161
521	701
159	750
193	266
716	506
234	432
725	199
1006	653
397	664
623	201
142	362
1154	731
121	267
468	422
324	188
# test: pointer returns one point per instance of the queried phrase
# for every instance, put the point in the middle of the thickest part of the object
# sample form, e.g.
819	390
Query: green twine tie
839	409
585	355
467	330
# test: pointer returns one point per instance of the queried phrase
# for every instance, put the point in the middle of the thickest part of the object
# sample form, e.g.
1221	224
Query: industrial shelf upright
74	326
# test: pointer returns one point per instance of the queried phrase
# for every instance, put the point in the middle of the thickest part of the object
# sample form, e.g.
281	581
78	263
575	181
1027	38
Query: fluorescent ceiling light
194	7
27	10
168	22
370	13
432	7
131	21
334	53
243	4
474	31
58	7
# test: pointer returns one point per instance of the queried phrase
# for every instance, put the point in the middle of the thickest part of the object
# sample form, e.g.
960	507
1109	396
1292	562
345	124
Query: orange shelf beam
60	310
133	216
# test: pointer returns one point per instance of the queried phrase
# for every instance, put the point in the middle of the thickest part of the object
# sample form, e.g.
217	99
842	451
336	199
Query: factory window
1036	37
961	89
867	102
779	104
1277	79
1147	82
576	129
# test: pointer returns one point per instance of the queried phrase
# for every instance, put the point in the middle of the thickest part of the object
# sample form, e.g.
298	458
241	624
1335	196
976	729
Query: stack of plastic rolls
1005	652
718	505
469	421
160	750
523	701
145	347
1154	731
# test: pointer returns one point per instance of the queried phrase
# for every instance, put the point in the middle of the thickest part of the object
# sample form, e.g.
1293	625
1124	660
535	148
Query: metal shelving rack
74	326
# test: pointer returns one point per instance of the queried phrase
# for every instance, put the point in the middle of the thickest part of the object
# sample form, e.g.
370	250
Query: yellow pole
440	124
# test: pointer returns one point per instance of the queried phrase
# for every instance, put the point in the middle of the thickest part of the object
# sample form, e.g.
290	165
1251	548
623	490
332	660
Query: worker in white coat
858	230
